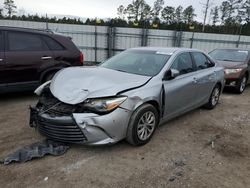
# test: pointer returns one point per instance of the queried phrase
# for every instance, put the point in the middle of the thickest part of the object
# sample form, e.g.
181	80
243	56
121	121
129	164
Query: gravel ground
179	155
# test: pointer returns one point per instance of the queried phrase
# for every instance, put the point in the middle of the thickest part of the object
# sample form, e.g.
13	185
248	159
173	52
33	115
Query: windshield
229	55
142	62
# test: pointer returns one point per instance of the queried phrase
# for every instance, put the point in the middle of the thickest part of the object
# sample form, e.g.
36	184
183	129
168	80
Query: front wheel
142	125
214	98
241	85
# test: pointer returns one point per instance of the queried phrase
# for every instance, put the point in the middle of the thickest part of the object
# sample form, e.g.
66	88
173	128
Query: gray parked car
127	96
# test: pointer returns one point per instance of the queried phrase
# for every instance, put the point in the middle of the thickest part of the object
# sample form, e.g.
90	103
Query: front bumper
82	128
231	82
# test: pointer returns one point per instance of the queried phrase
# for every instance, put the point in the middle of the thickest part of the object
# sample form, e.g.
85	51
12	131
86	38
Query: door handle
46	57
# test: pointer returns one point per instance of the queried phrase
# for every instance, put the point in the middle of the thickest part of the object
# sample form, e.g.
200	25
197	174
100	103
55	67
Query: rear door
180	92
3	75
205	76
26	55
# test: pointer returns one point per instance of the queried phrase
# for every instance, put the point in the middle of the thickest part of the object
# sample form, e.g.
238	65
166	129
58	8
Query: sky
96	8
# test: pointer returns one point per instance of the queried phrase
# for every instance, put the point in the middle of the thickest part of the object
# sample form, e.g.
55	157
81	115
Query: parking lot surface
200	149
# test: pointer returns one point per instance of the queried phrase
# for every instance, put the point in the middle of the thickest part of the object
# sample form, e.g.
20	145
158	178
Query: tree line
230	17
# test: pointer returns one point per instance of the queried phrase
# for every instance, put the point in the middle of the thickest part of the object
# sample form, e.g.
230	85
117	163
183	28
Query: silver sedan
127	96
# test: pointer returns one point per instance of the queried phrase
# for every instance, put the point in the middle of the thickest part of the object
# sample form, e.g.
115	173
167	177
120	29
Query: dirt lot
179	155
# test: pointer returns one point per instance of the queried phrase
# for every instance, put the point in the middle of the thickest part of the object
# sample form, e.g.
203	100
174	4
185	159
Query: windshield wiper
121	70
226	60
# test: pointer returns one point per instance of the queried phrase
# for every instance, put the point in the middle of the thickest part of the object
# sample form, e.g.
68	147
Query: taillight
81	58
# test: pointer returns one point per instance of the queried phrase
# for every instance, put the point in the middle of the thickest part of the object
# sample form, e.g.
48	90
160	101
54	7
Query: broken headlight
103	105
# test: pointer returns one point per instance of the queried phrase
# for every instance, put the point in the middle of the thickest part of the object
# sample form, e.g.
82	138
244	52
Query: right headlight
103	105
232	71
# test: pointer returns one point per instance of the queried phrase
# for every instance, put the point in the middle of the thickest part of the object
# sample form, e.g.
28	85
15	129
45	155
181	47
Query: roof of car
41	31
243	49
165	50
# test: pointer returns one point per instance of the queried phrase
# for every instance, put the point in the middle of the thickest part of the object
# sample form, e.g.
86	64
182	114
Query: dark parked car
30	57
237	66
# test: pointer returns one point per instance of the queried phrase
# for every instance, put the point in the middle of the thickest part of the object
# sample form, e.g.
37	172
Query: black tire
241	85
133	128
213	100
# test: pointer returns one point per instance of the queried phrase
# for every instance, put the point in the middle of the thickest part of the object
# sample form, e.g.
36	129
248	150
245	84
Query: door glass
52	44
20	41
201	61
183	63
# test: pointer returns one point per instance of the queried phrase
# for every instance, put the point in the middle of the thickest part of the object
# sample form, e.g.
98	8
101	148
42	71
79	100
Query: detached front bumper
82	128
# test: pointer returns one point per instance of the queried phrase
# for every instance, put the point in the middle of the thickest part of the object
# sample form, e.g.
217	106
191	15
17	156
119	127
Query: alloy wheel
215	96
243	84
146	125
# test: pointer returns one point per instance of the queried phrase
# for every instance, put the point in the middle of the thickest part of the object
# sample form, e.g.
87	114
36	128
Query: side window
201	61
20	41
183	63
52	44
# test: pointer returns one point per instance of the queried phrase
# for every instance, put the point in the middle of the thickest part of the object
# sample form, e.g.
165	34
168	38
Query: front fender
39	90
143	95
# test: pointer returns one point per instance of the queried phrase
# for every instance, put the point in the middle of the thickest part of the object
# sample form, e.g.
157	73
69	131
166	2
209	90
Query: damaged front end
77	123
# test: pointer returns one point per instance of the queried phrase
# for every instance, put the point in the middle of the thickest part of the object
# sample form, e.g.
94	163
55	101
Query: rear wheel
241	85
214	98
142	125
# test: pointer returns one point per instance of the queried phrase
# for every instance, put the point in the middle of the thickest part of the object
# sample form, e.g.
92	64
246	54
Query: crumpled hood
74	85
231	64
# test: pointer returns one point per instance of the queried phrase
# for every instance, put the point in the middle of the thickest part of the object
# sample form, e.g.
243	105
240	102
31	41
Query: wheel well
46	74
247	74
156	105
220	85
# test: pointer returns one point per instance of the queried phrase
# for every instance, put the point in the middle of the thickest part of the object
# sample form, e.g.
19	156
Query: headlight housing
103	105
232	71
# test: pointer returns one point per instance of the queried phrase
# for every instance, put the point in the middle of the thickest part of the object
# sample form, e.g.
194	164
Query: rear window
229	55
18	41
52	44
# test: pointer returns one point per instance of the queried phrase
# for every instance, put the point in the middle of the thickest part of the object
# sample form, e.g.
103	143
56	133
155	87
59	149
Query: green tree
215	15
145	12
246	11
168	14
138	10
10	6
230	10
224	9
179	14
188	14
158	6
1	12
121	12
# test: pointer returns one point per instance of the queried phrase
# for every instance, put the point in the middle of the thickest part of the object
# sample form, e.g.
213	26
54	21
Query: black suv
30	57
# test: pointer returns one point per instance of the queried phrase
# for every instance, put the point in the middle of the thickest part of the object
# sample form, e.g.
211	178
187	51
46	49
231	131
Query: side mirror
171	74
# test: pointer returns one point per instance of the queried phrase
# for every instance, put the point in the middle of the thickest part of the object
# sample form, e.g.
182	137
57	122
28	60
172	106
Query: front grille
50	105
61	131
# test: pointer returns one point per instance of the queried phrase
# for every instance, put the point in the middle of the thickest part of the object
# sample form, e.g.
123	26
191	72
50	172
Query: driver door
180	92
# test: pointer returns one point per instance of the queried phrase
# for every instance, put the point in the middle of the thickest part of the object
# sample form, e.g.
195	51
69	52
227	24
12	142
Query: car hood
231	64
74	85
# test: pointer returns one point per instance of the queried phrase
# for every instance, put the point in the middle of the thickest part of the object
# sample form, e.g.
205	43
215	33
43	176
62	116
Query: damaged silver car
127	96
